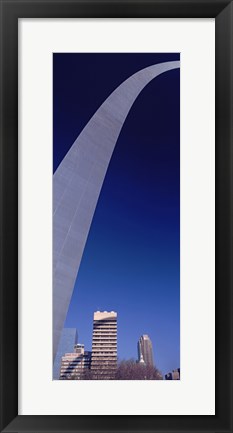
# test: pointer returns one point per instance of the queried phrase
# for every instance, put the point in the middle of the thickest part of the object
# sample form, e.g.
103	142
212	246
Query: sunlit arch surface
77	183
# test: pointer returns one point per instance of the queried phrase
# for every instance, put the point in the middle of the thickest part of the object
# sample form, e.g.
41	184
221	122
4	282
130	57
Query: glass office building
69	338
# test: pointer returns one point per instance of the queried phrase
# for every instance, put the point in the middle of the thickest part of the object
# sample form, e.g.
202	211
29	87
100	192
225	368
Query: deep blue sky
131	262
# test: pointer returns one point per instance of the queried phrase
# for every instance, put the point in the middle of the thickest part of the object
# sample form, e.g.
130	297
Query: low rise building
173	375
75	364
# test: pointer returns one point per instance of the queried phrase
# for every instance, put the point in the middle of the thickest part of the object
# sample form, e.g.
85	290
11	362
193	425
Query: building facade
173	375
69	338
145	350
74	365
104	345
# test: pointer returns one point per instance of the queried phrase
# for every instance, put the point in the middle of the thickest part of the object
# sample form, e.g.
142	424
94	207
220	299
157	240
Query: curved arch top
77	183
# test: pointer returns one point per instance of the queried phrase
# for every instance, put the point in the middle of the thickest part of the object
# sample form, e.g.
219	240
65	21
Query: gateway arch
77	183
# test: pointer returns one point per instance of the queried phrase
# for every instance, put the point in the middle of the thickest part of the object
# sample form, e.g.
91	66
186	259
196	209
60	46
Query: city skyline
73	360
131	259
66	346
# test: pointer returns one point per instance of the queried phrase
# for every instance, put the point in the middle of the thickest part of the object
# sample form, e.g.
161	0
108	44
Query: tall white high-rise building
104	345
145	350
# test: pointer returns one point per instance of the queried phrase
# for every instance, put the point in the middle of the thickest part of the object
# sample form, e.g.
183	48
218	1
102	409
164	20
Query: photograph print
116	216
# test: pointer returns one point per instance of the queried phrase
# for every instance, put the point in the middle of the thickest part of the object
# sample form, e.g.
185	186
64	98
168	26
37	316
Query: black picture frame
11	11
